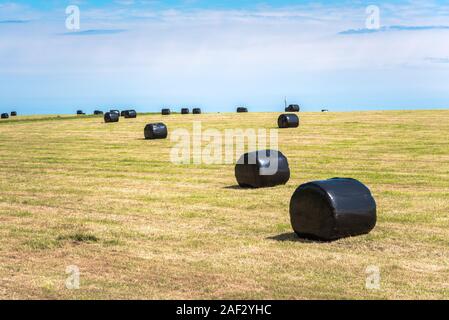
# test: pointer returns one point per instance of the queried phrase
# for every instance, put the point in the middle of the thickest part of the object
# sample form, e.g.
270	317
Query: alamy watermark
73	20
212	146
372	21
373	278
73	280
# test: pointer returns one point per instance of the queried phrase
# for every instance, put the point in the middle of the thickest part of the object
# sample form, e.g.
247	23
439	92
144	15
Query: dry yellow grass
80	192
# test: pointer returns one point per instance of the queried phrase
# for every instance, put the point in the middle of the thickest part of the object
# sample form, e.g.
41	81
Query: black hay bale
166	112
111	117
80	112
122	114
185	111
292	108
13	114
260	169
196	111
288	121
332	209
98	112
5	116
130	114
324	110
242	109
115	111
156	131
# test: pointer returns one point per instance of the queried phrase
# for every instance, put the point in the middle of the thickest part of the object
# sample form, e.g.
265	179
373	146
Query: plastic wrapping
293	108
98	112
185	111
196	111
115	111
130	114
166	112
242	109
288	121
13	114
110	117
332	209
260	169
156	131
80	112
5	116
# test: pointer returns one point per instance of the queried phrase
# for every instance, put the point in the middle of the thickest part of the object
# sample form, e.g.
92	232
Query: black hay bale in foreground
260	169
185	111
111	117
196	111
130	114
156	131
292	108
288	121
5	116
242	109
13	114
332	209
98	112
166	112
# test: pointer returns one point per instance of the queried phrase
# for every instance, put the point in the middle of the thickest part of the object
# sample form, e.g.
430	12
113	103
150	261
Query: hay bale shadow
293	237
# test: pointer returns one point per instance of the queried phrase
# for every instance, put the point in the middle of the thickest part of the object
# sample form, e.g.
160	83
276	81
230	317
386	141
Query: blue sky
219	54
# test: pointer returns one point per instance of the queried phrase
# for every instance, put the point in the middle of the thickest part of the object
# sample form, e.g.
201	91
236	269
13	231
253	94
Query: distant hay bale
166	112
5	116
13	114
293	108
110	117
288	121
130	114
260	169
80	113
332	209
324	110
122	113
242	109
115	111
155	131
196	111
98	112
185	111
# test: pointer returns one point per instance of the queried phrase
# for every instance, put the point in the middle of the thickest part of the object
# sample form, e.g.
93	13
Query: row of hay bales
324	210
7	115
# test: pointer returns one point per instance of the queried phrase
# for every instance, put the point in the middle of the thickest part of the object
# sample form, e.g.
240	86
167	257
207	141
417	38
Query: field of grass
76	191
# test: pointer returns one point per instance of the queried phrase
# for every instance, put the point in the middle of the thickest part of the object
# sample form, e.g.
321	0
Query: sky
217	55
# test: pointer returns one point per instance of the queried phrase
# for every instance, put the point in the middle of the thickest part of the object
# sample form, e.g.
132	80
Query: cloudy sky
220	54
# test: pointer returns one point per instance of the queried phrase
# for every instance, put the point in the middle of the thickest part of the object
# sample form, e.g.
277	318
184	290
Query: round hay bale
122	113
130	114
293	108
116	111
80	113
196	111
5	116
242	109
261	169
155	131
166	112
98	112
13	114
288	121
324	110
332	209
185	111
110	117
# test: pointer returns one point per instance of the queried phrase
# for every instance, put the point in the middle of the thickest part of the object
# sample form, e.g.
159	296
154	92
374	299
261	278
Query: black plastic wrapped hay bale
5	116
166	112
115	111
288	121
110	117
98	112
242	110
122	113
130	114
259	169
196	111
156	131
13	114
332	209
292	108
80	112
185	111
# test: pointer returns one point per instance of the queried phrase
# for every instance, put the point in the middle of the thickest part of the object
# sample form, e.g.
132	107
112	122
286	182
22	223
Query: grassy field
75	191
